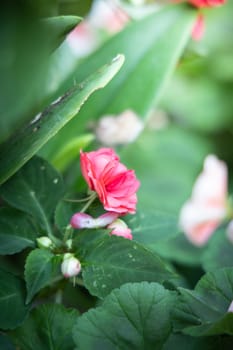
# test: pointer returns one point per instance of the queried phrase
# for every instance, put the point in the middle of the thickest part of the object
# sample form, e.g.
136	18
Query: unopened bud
82	220
230	309
70	266
44	242
119	228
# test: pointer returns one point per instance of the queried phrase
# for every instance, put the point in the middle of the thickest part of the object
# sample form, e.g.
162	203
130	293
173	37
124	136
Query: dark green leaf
136	316
115	261
20	148
42	268
48	327
204	311
35	189
16	231
12	301
219	252
5	343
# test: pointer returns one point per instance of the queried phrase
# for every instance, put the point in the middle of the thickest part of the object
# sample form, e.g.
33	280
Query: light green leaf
151	53
136	316
16	231
35	189
12	301
114	261
204	311
48	327
42	268
19	149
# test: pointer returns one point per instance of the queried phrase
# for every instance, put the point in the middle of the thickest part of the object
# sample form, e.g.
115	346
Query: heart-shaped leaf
136	316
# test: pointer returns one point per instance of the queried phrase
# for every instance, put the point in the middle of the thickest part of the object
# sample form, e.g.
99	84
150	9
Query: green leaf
5	343
147	67
58	27
16	231
149	228
219	252
42	268
64	156
114	261
136	316
204	311
35	189
19	149
12	301
48	327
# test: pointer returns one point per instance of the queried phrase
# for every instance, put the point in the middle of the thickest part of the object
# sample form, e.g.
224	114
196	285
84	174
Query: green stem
91	199
68	233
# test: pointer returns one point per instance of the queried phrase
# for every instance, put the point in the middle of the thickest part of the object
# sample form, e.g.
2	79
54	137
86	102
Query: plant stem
91	199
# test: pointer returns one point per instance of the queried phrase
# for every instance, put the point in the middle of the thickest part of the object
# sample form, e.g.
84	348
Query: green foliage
115	261
42	268
35	189
16	231
20	148
12	302
204	311
136	316
49	326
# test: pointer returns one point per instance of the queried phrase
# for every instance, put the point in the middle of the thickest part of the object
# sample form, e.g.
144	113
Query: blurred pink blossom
207	208
82	220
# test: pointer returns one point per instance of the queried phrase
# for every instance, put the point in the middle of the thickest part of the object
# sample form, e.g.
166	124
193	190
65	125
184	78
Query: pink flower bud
199	28
206	3
82	220
70	266
207	208
119	228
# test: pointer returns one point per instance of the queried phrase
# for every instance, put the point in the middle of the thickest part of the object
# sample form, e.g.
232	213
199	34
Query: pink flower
206	209
82	220
119	228
70	266
199	28
114	184
206	3
230	309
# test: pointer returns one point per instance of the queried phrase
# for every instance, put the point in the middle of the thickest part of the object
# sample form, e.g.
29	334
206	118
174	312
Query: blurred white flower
120	129
207	208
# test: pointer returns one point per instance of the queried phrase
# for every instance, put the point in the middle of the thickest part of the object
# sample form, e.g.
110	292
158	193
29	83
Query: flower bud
70	266
82	220
230	309
119	228
44	242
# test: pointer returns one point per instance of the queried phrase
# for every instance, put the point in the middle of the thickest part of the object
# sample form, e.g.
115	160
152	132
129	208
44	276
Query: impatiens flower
119	228
82	220
199	28
206	3
70	266
206	209
114	184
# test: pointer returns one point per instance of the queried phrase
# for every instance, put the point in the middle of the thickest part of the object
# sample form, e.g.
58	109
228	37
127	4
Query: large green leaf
219	252
114	261
149	228
12	301
16	231
136	316
5	343
204	311
26	43
47	327
58	27
20	148
152	47
42	268
35	189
